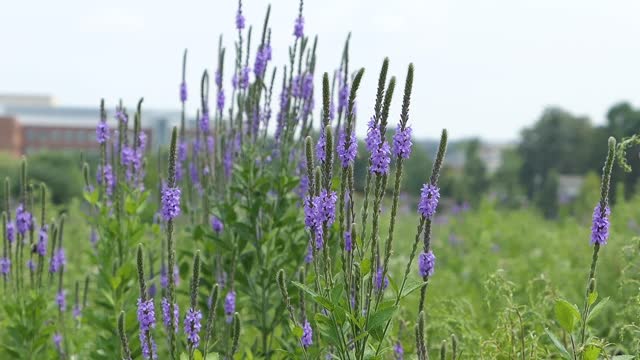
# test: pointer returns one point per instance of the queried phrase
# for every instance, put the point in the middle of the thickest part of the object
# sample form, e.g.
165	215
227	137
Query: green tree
558	141
475	173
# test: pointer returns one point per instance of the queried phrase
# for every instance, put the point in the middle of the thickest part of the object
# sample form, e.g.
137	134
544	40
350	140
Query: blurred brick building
30	124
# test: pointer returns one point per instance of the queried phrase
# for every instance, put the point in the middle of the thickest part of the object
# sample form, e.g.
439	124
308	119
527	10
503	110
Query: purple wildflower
146	349
23	219
182	151
43	237
428	200
347	154
76	311
343	97
102	132
600	226
244	78
298	28
260	64
166	314
308	258
11	232
239	18
373	135
57	261
192	326
57	341
380	159
122	116
307	334
220	100
321	147
402	142
31	265
183	91
319	237
146	314
230	305
193	173
380	284
348	241
325	205
218	77
5	265
398	351
204	121
170	202
426	263
210	144
216	224
61	300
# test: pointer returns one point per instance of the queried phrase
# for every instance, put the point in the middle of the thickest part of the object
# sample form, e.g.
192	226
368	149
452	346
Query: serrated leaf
567	315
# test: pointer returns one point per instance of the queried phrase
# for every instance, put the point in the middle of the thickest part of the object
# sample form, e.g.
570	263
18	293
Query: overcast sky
483	67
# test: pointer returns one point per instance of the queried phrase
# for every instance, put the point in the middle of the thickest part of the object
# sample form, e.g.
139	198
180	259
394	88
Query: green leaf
623	357
591	352
597	309
558	344
365	267
184	356
567	314
212	356
297	331
197	355
592	297
380	317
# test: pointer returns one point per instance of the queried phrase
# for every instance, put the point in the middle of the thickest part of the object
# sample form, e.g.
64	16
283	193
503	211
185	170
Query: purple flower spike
57	341
381	159
204	121
166	317
298	28
307	334
43	237
216	224
170	203
347	154
220	100
192	327
325	205
102	132
57	261
146	315
240	18
428	200
600	226
398	351
230	305
5	265
348	242
183	91
23	219
373	135
11	232
426	263
61	300
380	284
402	142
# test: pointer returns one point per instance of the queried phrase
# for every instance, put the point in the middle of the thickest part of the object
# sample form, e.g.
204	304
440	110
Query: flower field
268	230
